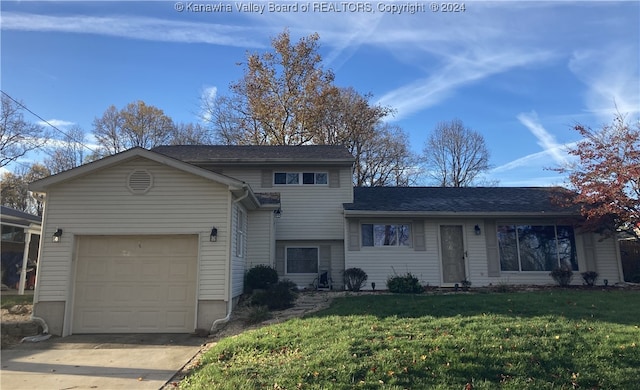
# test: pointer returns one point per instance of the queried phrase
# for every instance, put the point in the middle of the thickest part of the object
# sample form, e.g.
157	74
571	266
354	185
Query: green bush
562	276
278	296
355	278
404	284
260	277
589	277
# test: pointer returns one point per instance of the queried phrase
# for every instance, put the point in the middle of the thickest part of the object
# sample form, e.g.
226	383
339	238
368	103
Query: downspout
45	328
230	301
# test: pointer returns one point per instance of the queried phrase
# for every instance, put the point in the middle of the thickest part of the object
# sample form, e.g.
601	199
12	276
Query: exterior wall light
57	236
477	230
213	237
277	213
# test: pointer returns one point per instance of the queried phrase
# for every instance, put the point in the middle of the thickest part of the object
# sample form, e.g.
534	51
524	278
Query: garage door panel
135	284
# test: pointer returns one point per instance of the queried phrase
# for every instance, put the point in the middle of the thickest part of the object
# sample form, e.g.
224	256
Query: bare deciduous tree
455	155
190	134
17	136
15	192
385	160
68	153
138	124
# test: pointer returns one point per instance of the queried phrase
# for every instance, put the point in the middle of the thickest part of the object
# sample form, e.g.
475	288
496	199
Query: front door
452	250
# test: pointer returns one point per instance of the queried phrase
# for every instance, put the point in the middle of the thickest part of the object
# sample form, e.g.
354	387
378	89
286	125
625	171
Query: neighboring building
158	241
20	238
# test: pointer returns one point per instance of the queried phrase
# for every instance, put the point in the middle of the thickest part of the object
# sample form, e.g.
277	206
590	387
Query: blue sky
521	73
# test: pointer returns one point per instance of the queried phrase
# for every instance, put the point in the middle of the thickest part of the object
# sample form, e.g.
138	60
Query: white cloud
56	123
207	99
612	76
143	28
545	139
460	71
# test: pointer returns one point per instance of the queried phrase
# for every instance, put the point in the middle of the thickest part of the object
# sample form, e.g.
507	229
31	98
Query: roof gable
465	200
43	184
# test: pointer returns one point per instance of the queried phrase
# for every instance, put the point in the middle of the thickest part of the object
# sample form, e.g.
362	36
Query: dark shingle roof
257	154
11	215
458	200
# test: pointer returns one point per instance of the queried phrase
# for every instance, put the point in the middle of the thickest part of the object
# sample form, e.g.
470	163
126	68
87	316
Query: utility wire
46	121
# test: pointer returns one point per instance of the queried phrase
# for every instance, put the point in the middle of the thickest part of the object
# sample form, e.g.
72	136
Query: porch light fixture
213	237
57	236
477	230
277	213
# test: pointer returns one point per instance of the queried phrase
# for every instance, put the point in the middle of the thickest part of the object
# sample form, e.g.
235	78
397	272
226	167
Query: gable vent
139	182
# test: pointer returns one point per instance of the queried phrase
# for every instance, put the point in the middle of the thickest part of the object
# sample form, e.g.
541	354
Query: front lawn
559	339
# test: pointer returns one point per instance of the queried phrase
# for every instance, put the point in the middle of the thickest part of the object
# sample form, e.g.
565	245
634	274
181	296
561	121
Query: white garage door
135	284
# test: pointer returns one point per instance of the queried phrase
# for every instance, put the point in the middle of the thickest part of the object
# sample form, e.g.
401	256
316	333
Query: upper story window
300	178
386	235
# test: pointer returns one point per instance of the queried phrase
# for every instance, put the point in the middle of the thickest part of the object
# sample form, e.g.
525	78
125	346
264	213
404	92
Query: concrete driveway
129	361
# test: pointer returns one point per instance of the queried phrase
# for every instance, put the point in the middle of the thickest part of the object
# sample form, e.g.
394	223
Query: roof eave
270	162
43	184
452	214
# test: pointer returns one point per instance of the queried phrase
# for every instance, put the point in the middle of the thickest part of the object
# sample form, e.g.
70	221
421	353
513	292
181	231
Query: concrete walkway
129	361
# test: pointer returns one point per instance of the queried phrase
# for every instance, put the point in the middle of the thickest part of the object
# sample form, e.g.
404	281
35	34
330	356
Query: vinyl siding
309	212
608	260
260	245
101	204
381	262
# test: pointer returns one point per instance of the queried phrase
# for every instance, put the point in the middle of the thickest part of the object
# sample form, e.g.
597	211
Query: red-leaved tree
606	177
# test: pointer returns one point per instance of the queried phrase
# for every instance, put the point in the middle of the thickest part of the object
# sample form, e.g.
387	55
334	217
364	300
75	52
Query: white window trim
300	178
286	259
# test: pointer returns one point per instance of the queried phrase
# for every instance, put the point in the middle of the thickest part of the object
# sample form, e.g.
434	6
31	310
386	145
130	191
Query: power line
47	122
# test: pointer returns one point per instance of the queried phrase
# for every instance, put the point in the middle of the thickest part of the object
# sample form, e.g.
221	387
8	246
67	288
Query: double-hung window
398	235
300	178
536	247
241	232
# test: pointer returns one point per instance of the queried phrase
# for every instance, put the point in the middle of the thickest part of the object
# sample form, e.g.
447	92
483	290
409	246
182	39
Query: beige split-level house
159	240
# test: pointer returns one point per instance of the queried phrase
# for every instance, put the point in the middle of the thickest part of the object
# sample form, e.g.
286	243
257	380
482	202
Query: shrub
278	296
404	284
257	314
466	284
562	276
590	277
260	277
502	286
355	278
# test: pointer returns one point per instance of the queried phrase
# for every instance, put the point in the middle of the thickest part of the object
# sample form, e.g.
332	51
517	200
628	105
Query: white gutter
230	299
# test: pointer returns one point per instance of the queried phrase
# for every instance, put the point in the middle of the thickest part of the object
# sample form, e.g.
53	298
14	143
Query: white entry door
452	253
135	284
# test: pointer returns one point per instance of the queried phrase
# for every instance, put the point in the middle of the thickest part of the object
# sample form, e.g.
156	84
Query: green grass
7	301
536	340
